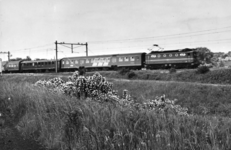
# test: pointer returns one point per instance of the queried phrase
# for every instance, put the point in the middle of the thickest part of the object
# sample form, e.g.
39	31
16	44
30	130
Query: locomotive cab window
153	56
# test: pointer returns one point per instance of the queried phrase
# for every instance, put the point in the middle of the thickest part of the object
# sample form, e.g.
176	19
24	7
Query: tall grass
62	122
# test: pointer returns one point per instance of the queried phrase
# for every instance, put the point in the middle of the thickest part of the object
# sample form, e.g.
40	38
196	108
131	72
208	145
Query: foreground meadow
61	121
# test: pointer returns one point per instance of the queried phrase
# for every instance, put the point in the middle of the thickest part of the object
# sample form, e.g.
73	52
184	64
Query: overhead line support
63	43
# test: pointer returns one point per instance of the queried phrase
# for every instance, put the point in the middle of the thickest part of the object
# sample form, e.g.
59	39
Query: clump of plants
124	71
202	69
172	70
131	74
97	88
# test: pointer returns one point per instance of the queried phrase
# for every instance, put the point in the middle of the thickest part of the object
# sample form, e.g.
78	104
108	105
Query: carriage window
164	55
72	61
182	54
176	55
52	62
159	55
132	58
63	62
153	56
137	57
67	62
170	55
82	61
120	58
126	59
76	61
87	60
32	64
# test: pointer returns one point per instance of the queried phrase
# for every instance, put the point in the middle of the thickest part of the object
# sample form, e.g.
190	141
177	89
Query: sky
31	27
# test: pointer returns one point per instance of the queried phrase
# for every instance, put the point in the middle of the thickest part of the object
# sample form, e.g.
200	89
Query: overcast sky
30	27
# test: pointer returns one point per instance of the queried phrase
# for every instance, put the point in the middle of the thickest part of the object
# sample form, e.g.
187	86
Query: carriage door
114	62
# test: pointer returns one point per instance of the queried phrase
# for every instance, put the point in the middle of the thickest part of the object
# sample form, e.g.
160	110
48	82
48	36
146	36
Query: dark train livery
183	58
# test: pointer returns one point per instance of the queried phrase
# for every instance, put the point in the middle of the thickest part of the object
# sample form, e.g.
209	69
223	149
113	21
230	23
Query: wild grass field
63	122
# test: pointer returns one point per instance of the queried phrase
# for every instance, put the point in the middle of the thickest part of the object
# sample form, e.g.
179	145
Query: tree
204	55
28	58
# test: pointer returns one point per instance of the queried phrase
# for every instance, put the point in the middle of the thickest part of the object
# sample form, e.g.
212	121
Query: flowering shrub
97	88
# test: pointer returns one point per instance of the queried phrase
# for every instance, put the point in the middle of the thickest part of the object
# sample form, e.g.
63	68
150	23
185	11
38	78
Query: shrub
202	69
131	74
124	71
82	71
172	70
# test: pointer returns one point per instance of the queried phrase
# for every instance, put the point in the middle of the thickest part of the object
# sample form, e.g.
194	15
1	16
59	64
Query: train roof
109	55
15	62
33	61
170	51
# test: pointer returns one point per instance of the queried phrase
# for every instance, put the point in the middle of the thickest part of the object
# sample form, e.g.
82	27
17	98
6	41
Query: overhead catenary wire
187	34
176	43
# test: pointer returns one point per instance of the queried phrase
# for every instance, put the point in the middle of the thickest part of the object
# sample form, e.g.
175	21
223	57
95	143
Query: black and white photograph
115	75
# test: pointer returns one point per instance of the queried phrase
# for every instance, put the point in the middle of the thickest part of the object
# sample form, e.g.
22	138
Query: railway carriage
184	58
13	66
104	62
39	66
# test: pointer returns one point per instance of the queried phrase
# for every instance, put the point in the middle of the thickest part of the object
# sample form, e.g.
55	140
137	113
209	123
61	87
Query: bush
202	69
172	70
131	74
124	71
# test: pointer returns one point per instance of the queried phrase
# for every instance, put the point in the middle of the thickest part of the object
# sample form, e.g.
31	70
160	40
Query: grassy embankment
219	76
46	116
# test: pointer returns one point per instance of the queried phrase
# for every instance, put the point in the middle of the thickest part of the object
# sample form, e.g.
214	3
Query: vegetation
219	76
204	55
203	69
60	120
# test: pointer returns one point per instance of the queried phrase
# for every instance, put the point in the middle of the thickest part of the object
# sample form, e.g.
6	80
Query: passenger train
182	58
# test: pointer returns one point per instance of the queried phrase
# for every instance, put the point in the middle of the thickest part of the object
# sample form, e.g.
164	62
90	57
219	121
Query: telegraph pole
86	49
56	58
